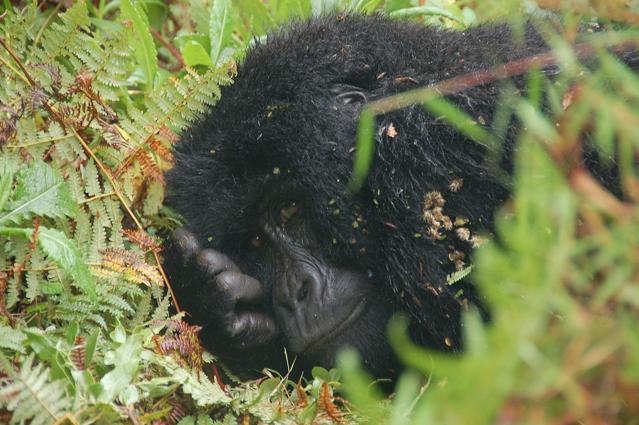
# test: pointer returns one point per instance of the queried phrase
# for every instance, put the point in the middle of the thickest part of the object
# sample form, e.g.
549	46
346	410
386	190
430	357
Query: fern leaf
12	339
92	179
31	395
41	191
458	275
63	39
174	105
35	275
19	28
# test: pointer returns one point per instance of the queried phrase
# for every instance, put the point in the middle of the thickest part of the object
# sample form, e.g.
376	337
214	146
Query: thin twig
479	78
171	48
46	23
17	60
584	183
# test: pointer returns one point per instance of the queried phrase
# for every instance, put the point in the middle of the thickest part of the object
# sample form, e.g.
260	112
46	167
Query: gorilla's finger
213	262
240	287
185	243
252	328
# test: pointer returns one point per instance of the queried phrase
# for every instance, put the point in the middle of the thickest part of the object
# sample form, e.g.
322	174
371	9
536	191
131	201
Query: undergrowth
93	96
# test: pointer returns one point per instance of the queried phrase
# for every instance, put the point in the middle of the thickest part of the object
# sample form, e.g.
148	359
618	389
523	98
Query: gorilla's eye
256	242
288	212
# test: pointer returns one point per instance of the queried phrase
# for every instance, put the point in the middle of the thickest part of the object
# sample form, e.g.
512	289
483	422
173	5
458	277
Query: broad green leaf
90	345
320	373
424	11
40	190
144	47
220	28
367	6
126	359
63	252
195	54
201	39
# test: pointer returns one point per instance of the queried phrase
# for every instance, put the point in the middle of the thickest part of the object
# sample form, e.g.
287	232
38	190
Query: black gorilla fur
291	117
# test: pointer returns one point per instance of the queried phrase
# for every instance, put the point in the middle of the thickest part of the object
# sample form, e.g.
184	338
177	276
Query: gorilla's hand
216	294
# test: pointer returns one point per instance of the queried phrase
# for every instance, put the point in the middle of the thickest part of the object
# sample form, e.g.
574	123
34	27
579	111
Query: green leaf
201	39
196	384
319	372
365	149
60	249
367	6
144	47
5	186
220	28
63	252
466	124
89	347
195	54
48	352
126	359
423	11
40	190
71	332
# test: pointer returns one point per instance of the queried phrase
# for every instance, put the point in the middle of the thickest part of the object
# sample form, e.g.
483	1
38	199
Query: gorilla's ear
348	94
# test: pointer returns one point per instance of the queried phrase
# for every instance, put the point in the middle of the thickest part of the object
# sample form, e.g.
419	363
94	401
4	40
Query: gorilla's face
270	287
319	307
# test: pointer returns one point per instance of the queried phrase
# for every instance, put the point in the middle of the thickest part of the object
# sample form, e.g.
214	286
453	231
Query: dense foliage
94	94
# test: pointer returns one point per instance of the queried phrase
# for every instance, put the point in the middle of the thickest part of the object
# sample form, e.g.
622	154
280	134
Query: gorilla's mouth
325	340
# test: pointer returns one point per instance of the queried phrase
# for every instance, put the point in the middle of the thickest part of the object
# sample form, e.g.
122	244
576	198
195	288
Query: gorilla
278	253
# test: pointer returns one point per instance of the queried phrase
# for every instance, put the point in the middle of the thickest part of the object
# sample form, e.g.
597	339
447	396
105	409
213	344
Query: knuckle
223	282
236	329
214	262
185	241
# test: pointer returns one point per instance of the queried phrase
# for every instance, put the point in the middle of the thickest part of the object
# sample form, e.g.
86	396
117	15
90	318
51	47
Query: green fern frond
107	57
63	38
458	275
19	28
176	103
30	393
12	339
161	312
91	179
38	263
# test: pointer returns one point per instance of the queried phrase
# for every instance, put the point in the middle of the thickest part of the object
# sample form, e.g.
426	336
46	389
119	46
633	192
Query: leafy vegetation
94	94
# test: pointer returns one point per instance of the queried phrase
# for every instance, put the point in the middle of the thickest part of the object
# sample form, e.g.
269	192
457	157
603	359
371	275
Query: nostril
304	289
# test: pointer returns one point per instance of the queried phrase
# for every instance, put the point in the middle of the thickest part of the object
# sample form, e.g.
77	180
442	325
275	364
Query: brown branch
171	48
584	184
17	60
479	78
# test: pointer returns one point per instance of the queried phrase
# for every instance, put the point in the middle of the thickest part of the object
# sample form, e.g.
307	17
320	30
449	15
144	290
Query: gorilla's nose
297	289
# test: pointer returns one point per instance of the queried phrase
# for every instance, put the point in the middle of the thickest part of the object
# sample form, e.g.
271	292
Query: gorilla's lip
341	326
